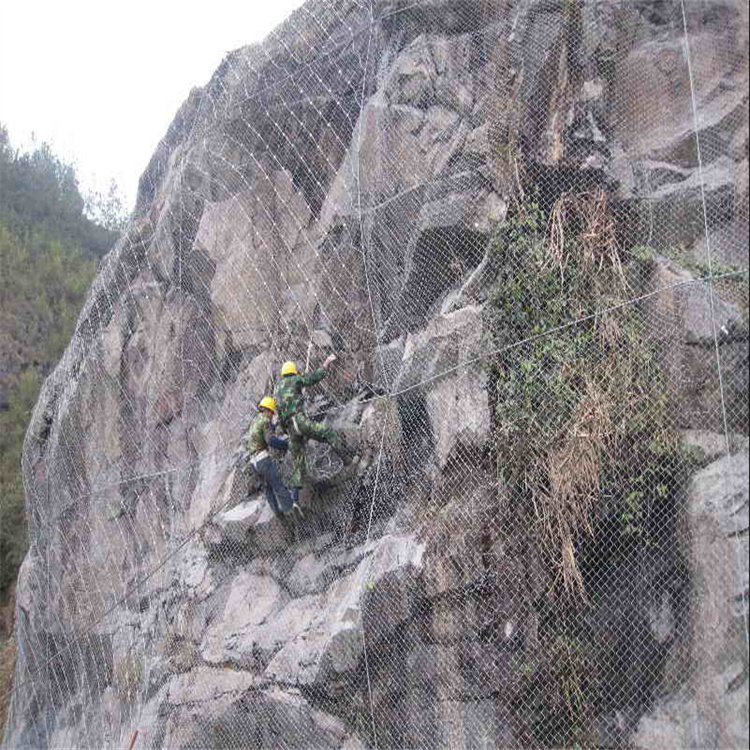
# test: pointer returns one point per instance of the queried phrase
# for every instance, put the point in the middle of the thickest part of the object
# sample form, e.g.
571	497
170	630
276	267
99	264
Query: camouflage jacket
258	435
288	393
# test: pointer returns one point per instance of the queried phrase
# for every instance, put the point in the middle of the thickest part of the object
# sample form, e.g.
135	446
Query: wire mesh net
522	229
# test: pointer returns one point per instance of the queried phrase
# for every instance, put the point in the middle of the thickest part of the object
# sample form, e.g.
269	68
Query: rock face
711	710
339	185
690	323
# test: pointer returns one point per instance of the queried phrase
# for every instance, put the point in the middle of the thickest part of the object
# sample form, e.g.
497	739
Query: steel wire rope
556	329
374	324
48	550
709	254
353	490
182	363
191	534
190	465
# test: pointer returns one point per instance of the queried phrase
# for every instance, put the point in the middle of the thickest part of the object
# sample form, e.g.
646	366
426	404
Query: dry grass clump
577	409
573	475
593	242
581	243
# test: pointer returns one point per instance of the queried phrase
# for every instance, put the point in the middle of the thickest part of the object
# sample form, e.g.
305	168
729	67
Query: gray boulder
711	710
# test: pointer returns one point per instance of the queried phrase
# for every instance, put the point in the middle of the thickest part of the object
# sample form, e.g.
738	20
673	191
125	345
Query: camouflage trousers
299	428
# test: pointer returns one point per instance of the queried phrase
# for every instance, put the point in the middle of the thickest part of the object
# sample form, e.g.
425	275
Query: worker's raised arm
317	375
314	377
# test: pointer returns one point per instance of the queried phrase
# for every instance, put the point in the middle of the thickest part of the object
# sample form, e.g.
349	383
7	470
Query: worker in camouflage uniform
259	439
296	424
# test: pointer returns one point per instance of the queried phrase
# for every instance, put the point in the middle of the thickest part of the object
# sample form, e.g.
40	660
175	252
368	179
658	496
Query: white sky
100	80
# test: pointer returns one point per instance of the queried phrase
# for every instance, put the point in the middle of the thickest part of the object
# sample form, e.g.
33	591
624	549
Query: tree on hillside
49	253
13	529
107	210
42	288
5	147
38	190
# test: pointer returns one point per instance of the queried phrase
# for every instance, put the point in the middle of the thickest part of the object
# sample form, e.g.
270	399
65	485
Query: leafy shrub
44	277
580	408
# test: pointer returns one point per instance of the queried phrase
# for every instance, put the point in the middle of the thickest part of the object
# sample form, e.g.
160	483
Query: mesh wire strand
526	241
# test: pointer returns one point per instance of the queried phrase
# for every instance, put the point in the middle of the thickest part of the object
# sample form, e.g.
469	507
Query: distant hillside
49	252
39	193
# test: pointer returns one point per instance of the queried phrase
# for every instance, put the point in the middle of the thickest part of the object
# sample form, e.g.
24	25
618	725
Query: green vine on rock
582	436
579	414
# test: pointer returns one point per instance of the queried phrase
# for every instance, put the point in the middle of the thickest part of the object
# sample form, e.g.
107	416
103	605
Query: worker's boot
296	507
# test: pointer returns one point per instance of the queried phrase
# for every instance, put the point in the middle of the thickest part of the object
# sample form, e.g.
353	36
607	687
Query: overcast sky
101	79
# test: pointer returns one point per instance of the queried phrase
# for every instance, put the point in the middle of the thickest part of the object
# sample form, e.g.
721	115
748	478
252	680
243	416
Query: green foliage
107	210
13	422
40	198
643	252
582	433
45	271
42	288
557	692
581	425
7	667
42	285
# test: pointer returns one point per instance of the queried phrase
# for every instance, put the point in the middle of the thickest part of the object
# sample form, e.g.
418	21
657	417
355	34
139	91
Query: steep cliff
347	183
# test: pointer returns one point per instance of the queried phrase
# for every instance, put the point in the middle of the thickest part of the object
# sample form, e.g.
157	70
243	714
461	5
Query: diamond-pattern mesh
522	228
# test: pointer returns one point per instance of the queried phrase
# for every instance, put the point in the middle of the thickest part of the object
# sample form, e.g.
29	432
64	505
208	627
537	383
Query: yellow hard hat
267	403
289	368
